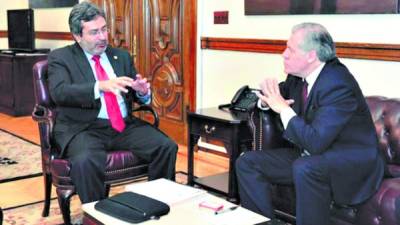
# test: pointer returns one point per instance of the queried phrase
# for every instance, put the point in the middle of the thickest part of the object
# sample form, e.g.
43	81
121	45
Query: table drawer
209	128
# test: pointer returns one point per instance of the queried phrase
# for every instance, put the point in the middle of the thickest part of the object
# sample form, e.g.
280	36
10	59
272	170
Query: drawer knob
208	129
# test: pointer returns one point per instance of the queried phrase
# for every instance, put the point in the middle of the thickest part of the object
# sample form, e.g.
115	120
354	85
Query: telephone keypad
247	100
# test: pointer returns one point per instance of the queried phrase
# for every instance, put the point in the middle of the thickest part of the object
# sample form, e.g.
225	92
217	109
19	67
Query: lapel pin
115	57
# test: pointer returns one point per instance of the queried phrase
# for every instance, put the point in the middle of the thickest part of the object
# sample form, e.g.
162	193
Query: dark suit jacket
71	84
337	125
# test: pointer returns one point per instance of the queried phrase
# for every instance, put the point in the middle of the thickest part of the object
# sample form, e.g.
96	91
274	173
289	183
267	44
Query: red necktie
113	111
304	95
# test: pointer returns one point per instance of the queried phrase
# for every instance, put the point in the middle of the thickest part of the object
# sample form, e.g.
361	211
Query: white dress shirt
288	113
105	63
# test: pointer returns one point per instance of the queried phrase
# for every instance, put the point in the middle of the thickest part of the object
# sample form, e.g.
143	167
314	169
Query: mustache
101	43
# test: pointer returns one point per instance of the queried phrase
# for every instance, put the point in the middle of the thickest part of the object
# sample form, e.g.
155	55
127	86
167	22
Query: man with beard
93	86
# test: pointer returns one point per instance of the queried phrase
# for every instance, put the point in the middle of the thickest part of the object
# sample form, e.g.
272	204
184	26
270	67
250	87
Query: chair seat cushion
120	165
381	208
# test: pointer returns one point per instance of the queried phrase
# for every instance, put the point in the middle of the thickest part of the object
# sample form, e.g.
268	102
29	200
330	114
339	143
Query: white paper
165	190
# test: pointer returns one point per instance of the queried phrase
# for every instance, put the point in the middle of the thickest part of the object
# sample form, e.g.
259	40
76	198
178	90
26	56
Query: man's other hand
272	96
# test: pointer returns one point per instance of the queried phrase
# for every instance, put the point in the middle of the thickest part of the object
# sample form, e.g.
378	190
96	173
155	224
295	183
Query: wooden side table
231	128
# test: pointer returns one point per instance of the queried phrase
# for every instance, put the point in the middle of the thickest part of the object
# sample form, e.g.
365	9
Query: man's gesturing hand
141	85
272	96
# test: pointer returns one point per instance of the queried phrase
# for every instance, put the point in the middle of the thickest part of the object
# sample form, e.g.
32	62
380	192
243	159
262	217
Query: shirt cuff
146	99
96	90
287	114
260	105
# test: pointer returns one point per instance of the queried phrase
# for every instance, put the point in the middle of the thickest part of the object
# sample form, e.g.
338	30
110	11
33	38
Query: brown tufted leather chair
121	165
381	209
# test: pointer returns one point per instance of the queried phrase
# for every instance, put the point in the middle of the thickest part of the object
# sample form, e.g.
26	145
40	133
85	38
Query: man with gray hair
333	146
93	86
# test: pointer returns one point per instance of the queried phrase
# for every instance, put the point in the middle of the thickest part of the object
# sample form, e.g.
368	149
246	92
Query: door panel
161	59
120	19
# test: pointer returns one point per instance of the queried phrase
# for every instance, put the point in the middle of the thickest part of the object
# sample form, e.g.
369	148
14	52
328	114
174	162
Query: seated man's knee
243	162
171	145
303	167
168	147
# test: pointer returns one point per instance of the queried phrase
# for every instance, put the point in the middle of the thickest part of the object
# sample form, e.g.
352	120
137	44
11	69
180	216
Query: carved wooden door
166	43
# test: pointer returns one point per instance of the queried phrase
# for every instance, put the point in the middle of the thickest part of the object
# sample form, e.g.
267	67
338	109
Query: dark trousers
87	153
258	170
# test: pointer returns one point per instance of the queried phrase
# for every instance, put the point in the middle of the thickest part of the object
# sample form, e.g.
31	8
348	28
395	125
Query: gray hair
317	38
83	12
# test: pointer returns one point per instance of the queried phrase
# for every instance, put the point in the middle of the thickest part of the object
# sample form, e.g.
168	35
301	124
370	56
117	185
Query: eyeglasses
103	31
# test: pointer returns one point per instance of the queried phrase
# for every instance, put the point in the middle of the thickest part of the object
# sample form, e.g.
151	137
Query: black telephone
244	99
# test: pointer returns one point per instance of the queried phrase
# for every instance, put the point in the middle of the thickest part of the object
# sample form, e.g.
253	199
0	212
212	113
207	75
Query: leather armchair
381	209
121	165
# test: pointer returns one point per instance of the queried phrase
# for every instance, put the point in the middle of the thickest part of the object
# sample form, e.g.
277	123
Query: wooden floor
27	190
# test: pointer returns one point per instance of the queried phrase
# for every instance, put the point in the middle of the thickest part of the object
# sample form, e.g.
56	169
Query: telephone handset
244	99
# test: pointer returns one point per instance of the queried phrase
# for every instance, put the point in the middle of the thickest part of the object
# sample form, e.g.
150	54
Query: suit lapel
296	96
82	63
115	62
113	58
318	83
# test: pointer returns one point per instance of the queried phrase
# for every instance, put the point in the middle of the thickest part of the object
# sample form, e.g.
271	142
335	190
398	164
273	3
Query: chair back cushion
386	116
42	94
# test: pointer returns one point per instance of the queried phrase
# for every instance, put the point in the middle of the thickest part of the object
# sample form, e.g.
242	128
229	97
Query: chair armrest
393	170
41	114
45	119
151	110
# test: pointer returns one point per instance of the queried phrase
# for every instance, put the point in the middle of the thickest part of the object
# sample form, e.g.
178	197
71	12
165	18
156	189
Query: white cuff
260	105
96	90
286	115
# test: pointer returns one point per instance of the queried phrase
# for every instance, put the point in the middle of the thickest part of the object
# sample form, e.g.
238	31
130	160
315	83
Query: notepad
165	190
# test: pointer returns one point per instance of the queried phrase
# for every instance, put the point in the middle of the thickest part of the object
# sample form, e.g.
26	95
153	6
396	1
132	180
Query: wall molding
371	51
48	35
54	35
3	34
